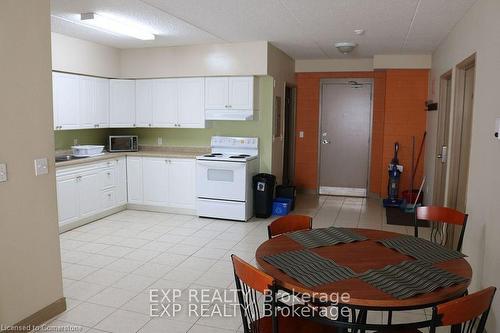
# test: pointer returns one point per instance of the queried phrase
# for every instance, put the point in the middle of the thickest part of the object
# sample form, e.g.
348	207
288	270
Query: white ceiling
305	29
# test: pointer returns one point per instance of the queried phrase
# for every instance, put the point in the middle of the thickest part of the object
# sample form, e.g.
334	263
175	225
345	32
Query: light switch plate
3	172
41	166
160	141
301	134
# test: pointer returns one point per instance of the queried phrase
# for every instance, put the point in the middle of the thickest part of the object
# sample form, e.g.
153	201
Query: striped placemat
421	249
324	237
410	278
309	268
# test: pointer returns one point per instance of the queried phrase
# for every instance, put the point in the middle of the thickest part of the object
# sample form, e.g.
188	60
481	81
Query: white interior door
345	138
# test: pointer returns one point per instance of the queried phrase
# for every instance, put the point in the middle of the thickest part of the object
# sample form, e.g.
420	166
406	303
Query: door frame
456	150
322	82
443	137
293	125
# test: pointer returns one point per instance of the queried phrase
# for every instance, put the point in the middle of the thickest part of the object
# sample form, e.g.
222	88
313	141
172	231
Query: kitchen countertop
144	151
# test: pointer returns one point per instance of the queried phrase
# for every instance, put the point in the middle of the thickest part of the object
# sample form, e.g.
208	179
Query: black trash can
263	194
287	191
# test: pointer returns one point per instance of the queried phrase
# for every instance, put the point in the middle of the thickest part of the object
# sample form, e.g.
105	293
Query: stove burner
239	156
213	155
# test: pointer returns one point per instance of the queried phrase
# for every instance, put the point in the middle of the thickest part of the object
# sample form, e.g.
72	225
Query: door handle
326	141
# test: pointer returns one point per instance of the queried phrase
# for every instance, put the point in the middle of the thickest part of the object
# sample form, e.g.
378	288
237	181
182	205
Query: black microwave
121	143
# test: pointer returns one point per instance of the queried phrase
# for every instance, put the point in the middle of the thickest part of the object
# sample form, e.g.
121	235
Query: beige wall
402	61
334	65
30	262
282	68
80	56
195	60
477	32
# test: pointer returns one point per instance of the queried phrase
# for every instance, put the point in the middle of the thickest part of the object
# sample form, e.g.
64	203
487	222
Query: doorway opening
289	137
442	141
344	137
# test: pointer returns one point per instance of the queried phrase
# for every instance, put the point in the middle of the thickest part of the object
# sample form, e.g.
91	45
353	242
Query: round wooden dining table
362	256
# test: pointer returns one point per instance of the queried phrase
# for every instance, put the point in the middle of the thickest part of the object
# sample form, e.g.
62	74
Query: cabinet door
65	99
144	103
165	103
134	180
122	103
155	179
241	93
181	183
89	194
216	93
67	199
191	111
101	91
121	182
86	97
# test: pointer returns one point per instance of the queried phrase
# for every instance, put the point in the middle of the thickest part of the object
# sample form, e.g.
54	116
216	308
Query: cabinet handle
109	173
133	125
149	125
97	125
109	195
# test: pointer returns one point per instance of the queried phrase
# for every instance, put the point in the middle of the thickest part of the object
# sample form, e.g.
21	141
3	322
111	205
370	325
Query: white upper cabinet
191	111
241	93
122	103
144	103
93	102
101	102
216	92
230	98
65	101
165	103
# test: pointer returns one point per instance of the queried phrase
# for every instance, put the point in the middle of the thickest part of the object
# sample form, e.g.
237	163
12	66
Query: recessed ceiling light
345	47
112	25
359	32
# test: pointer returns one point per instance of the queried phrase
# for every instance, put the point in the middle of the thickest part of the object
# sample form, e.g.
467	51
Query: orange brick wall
401	93
405	116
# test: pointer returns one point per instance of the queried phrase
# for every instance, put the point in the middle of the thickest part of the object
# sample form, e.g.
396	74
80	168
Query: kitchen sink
64	158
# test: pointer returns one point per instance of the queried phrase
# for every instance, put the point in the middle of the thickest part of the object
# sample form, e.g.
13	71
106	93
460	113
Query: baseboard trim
86	220
161	209
29	323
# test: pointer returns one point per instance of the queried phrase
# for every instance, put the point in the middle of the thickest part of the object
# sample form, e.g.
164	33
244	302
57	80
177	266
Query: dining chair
251	285
466	314
442	215
289	223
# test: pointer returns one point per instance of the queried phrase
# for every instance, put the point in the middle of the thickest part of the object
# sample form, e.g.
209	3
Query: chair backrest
443	215
466	313
250	282
289	223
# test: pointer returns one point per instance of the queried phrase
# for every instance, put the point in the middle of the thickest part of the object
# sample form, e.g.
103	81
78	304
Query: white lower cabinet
85	191
161	182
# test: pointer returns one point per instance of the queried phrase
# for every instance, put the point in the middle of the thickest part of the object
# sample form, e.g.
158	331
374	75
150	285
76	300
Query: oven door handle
221	165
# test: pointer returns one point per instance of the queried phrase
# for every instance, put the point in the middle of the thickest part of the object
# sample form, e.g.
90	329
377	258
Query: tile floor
110	265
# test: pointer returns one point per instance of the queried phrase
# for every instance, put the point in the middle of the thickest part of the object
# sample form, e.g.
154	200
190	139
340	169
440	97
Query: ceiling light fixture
345	47
111	25
359	32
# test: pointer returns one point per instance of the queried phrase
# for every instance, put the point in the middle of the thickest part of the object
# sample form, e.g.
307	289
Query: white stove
224	178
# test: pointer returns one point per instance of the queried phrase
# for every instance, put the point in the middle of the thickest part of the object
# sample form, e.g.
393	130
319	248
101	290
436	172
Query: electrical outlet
301	134
160	141
75	142
3	172
41	167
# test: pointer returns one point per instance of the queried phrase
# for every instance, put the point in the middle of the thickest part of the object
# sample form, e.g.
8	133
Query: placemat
410	278
325	237
421	249
309	268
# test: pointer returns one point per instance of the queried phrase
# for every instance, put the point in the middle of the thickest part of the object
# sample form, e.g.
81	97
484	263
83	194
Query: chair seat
293	325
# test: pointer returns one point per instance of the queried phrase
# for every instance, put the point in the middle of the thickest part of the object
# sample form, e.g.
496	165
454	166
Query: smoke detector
345	47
